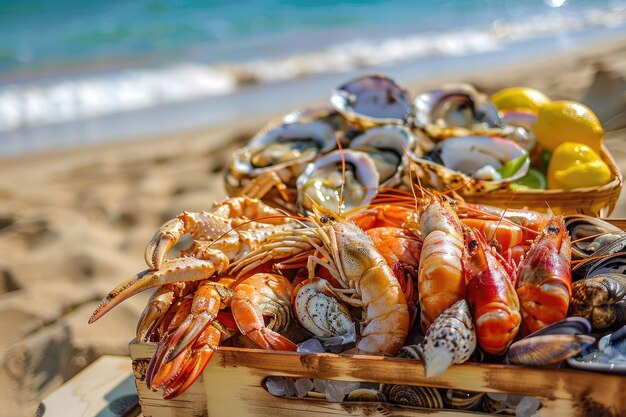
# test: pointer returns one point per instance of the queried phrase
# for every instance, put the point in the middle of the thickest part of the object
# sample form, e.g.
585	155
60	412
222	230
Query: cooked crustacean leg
208	300
544	279
157	307
491	295
256	297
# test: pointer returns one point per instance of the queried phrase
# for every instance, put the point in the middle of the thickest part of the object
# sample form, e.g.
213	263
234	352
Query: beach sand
75	223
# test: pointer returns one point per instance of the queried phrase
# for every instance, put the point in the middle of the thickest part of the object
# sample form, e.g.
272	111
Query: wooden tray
232	385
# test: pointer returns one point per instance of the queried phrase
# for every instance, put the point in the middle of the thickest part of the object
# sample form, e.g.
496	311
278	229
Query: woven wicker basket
593	201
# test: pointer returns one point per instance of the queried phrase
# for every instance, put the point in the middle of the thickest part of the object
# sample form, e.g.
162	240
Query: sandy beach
75	223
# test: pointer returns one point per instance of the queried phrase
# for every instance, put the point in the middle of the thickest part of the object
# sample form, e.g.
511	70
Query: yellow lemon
561	121
519	98
576	165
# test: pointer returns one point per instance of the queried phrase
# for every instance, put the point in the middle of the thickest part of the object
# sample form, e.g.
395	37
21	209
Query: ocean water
67	62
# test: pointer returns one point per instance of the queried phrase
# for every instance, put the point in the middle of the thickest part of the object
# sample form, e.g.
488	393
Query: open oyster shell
457	162
322	181
457	110
285	150
372	100
388	146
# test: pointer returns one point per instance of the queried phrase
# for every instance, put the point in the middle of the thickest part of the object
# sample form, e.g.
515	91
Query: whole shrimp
544	278
353	260
440	277
490	294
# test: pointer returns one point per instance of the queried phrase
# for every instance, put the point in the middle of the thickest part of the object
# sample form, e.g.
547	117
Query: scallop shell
367	395
425	397
372	100
322	179
451	338
388	146
462	156
601	299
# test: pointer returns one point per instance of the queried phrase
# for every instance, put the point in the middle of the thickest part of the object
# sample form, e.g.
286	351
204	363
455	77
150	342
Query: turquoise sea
67	65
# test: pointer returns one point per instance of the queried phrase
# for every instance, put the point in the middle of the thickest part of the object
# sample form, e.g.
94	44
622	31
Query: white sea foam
31	104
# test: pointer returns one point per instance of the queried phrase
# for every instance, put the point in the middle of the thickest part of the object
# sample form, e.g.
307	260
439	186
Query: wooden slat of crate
233	385
104	389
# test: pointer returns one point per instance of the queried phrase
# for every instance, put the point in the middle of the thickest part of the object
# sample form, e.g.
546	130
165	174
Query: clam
388	146
425	397
372	100
463	400
456	110
284	150
450	339
592	236
472	163
324	181
601	299
367	395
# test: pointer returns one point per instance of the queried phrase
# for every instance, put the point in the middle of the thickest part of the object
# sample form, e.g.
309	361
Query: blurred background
117	115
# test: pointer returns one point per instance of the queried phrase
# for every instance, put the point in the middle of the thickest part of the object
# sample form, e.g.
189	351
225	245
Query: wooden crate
232	385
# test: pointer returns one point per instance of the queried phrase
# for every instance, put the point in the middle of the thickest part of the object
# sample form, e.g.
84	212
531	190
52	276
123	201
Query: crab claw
209	298
172	270
162	241
201	353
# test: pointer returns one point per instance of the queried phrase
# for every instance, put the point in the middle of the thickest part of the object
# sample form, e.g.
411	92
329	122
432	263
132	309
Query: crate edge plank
233	379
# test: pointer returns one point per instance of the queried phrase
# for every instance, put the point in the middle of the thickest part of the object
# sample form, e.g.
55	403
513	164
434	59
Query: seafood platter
348	274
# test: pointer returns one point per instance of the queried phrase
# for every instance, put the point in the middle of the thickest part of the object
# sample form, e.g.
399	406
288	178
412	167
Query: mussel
552	344
325	182
372	100
610	356
472	162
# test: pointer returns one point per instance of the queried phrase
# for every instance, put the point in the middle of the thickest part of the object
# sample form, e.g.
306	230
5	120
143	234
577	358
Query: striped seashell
367	395
450	339
463	400
425	397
